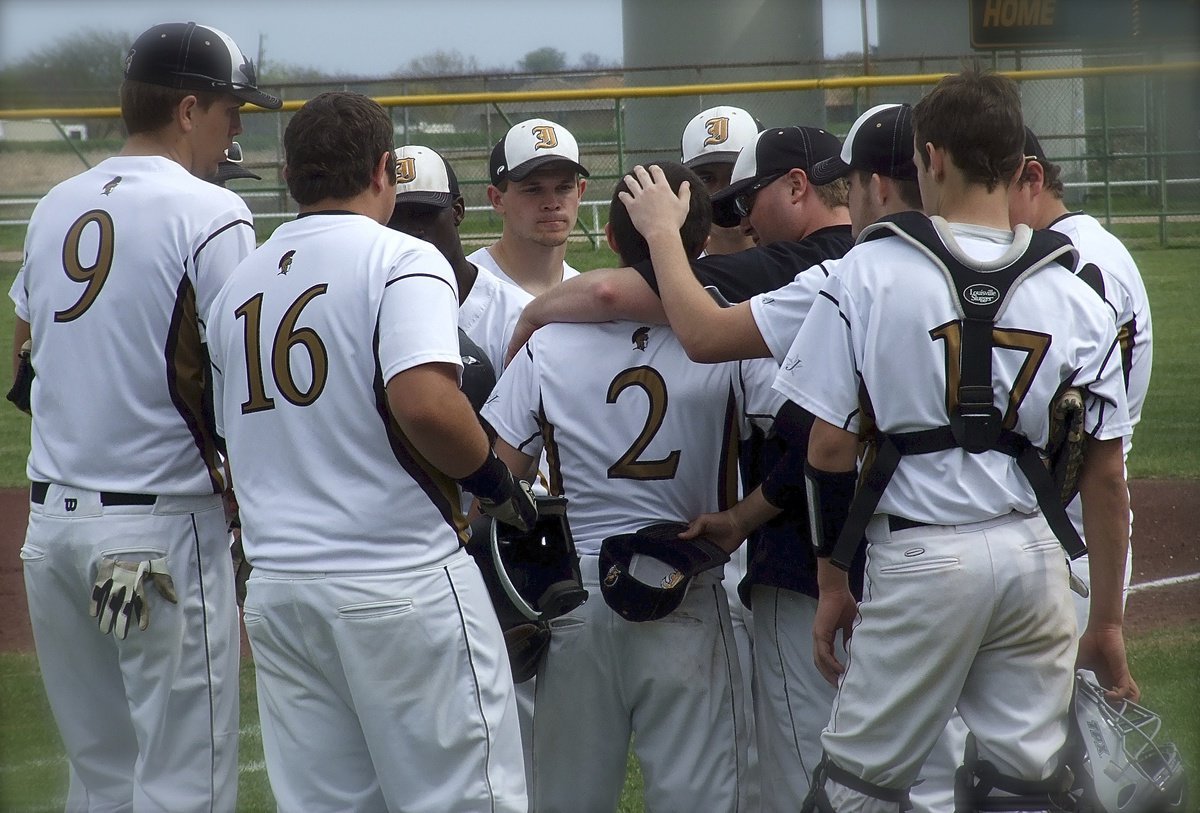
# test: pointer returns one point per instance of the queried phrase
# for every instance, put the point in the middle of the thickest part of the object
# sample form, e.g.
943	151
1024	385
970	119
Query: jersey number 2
629	466
287	336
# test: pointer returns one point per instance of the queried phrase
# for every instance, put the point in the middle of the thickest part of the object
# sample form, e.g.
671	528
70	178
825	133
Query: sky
365	37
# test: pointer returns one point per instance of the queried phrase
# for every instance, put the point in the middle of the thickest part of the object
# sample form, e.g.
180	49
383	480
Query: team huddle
814	532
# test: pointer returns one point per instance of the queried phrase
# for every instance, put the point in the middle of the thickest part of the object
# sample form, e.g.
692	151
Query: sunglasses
234	153
743	202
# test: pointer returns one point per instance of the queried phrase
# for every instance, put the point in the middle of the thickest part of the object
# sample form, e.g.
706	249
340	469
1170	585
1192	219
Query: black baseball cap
880	141
187	56
772	153
229	171
425	177
1033	147
645	575
530	145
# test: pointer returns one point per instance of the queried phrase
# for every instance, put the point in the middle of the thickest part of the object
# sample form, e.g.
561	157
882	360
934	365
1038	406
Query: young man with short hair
121	263
636	434
383	678
968	600
710	145
537	184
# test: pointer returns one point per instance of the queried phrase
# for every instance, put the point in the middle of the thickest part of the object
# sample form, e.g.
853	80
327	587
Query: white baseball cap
424	176
532	144
717	135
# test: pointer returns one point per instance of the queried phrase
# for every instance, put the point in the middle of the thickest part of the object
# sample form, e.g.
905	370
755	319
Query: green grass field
33	770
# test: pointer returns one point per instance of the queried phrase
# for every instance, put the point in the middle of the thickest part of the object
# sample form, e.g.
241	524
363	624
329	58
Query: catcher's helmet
1118	764
531	576
645	575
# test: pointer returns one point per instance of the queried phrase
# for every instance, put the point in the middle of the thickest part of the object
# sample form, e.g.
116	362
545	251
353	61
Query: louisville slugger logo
406	170
980	294
718	131
547	139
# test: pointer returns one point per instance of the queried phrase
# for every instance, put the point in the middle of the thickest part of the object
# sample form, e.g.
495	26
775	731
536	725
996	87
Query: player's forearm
752	511
437	419
695	318
519	463
831	448
1105	497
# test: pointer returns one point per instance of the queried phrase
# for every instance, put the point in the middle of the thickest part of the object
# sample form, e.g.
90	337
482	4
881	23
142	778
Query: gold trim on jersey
441	489
731	447
189	379
553	458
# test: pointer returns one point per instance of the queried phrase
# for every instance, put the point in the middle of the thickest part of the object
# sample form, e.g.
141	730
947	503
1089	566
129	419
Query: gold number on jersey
1034	345
287	336
629	467
96	273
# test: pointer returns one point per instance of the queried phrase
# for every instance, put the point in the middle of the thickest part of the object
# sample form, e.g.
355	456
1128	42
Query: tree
591	61
83	68
441	63
543	60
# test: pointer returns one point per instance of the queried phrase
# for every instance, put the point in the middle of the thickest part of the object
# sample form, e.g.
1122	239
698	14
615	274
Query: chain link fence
1127	134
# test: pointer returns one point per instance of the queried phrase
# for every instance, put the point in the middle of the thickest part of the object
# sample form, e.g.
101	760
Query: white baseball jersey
1125	294
483	258
634	431
489	314
778	314
121	263
304	338
853	355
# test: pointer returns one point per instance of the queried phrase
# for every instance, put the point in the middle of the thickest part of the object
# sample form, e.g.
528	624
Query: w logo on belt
718	131
70	503
547	139
406	170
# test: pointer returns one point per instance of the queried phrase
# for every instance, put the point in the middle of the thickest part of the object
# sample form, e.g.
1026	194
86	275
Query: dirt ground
1165	540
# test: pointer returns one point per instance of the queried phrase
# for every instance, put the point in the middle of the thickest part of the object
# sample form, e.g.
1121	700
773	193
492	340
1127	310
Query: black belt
896	523
37	494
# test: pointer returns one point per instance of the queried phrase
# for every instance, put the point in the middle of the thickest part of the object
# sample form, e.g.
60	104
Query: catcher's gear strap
830	494
783	485
980	298
975	780
818	798
22	387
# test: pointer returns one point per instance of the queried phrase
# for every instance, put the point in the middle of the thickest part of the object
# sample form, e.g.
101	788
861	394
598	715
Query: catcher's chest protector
976	424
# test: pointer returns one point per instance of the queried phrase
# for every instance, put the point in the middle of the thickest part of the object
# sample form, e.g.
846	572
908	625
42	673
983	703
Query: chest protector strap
976	424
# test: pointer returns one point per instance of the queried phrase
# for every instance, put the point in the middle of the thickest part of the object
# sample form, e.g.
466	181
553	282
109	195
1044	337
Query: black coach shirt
779	553
763	268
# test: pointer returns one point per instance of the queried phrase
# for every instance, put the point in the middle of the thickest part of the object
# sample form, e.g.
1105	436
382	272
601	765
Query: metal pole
1107	158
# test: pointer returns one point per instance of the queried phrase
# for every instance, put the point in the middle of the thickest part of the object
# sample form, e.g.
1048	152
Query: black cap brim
533	164
438	200
709	158
724	212
229	171
828	171
256	97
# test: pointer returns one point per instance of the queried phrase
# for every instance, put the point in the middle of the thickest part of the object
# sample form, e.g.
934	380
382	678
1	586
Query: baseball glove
1066	443
23	381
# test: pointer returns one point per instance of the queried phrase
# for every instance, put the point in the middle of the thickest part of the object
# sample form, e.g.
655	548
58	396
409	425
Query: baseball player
966	604
637	434
710	145
125	516
537	183
383	679
798	228
1104	263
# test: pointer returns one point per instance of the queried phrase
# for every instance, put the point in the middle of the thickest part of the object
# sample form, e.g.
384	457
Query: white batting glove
119	594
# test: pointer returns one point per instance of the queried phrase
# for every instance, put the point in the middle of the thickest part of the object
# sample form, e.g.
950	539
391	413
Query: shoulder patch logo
641	337
980	294
406	170
547	139
285	262
718	131
111	185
